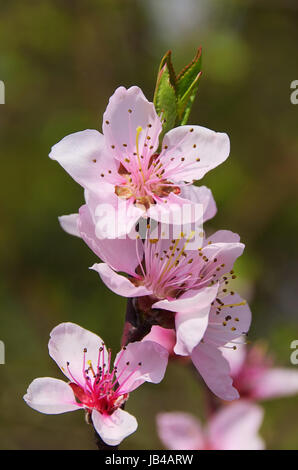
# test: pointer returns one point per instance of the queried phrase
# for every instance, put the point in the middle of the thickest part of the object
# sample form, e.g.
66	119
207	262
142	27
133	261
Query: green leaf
174	96
185	103
165	100
189	74
167	59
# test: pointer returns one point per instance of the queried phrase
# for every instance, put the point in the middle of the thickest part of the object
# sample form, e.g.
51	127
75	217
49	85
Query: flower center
144	180
100	389
171	272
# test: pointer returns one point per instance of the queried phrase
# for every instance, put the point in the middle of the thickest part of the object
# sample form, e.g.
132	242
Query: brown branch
136	327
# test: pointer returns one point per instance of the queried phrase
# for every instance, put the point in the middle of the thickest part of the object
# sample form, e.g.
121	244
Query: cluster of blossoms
179	284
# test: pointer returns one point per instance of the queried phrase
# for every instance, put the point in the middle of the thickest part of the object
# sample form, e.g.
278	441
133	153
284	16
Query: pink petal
191	143
225	254
118	283
235	358
215	371
201	195
118	223
120	254
191	318
223	236
50	396
190	328
190	302
69	223
162	336
236	427
83	155
140	362
177	211
275	382
229	321
113	217
115	427
127	110
67	344
180	431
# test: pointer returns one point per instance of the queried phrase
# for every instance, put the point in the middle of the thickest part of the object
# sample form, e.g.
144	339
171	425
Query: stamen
127	378
232	305
91	368
139	130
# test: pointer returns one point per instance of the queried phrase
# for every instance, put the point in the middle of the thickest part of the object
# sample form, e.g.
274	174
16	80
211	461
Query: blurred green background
61	61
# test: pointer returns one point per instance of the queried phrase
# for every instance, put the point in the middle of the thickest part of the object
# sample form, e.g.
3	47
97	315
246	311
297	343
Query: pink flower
125	163
167	275
234	427
209	356
95	385
256	378
193	284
